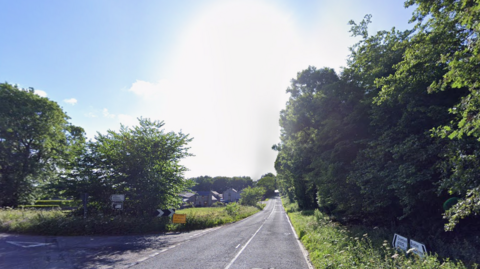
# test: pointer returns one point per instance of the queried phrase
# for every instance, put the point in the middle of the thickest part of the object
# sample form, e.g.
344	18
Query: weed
331	245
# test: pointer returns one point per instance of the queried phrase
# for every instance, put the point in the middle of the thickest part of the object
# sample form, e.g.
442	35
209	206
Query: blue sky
217	70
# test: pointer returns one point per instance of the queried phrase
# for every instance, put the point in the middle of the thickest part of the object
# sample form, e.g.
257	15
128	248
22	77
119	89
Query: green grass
331	245
57	222
206	217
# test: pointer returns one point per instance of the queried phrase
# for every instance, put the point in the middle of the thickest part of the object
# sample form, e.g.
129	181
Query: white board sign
418	248
117	197
117	205
400	242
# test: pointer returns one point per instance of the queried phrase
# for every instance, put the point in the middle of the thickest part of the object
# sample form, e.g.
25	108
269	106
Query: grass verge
331	245
56	222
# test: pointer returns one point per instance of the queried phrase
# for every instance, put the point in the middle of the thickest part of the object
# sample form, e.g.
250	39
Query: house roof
186	194
232	189
203	193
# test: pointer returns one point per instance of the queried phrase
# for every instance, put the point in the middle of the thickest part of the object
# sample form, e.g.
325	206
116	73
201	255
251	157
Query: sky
216	70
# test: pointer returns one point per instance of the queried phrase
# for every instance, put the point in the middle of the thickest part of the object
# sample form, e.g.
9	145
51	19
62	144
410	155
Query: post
85	202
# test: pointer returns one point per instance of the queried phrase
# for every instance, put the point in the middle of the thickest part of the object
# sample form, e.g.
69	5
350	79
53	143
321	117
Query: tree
442	59
268	182
251	196
142	162
220	184
35	137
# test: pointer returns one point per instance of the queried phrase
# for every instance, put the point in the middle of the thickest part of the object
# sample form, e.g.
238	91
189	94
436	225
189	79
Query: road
264	240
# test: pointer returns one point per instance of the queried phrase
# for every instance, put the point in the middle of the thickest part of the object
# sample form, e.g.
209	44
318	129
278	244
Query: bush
232	209
56	222
218	204
331	245
251	196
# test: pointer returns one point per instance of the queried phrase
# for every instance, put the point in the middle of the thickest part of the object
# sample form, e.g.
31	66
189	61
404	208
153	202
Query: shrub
232	209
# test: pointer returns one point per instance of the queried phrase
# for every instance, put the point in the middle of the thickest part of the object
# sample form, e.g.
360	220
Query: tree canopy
35	140
220	183
395	134
142	162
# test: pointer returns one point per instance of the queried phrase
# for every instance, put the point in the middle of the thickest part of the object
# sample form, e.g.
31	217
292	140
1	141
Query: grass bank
56	222
331	245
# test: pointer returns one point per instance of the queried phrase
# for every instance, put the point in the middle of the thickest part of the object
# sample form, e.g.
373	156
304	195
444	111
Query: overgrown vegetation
393	139
56	222
332	245
251	196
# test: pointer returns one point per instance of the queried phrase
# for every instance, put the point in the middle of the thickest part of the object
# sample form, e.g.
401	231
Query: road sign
400	242
117	205
117	197
165	212
418	248
179	218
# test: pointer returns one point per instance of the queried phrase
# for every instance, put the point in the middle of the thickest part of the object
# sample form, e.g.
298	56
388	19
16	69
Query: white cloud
106	114
90	115
148	89
127	120
71	101
41	93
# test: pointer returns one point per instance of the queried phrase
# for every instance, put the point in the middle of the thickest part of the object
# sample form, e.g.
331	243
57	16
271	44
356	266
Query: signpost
165	212
85	203
117	197
400	242
117	205
179	218
418	248
117	201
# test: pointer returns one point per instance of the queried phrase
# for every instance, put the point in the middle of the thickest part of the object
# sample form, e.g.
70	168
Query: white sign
117	197
400	242
418	248
117	205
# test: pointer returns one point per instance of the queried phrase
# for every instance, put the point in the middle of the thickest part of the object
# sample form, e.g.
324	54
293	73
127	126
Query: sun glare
238	55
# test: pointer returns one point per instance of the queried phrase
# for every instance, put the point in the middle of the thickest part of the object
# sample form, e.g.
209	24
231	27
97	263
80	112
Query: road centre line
243	248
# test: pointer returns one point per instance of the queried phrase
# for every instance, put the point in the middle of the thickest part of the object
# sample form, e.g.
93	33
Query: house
205	198
231	195
187	197
217	195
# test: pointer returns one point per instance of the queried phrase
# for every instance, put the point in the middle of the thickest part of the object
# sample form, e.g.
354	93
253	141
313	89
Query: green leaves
35	139
142	162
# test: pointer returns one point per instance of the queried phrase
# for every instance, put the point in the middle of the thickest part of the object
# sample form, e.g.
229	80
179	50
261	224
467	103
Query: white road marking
305	253
237	246
248	242
28	244
143	259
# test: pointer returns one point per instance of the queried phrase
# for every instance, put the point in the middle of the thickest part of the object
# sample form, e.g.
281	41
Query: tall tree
442	58
142	162
267	182
35	137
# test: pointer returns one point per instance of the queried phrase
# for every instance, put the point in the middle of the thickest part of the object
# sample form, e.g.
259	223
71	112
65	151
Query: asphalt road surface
264	240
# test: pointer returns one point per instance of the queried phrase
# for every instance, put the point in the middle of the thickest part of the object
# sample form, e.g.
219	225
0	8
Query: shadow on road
24	251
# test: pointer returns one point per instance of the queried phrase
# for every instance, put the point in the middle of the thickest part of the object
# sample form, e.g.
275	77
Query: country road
264	240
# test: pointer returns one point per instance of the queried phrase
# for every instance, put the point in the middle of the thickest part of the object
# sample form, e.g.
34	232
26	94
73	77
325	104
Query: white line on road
28	244
237	246
304	251
243	248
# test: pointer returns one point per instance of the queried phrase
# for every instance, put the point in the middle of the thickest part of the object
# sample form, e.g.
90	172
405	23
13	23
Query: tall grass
331	245
56	222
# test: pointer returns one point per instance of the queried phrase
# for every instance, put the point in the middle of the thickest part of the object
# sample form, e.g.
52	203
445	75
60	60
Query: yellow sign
179	218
